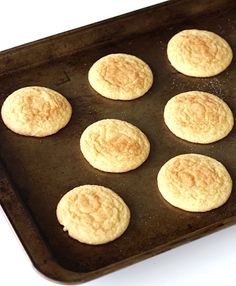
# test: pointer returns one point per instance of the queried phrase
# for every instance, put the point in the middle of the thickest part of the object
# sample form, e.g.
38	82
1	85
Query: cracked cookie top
199	53
194	182
36	111
120	77
115	146
93	214
198	117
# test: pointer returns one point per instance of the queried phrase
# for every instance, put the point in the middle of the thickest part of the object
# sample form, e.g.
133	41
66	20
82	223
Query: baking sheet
36	172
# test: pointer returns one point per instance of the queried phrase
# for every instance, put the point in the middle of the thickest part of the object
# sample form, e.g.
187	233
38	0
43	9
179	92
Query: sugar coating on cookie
120	77
113	145
199	53
198	117
36	111
194	182
93	214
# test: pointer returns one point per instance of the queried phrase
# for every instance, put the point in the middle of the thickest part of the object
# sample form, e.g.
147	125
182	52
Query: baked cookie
36	111
120	77
198	117
194	183
199	53
93	214
115	146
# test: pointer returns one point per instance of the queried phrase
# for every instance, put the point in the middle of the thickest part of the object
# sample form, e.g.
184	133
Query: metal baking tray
36	172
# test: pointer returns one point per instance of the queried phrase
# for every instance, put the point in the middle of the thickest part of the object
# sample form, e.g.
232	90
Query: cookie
120	77
93	214
194	183
199	53
115	146
36	111
198	117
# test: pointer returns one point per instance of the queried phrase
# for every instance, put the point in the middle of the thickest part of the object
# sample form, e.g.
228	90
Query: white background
207	261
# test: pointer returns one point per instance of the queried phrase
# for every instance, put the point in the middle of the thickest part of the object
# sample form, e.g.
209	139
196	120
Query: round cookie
198	117
199	53
36	111
194	183
120	77
93	214
115	146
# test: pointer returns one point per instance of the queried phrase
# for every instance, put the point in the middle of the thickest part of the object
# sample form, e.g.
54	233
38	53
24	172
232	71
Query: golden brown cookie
116	146
199	53
120	77
36	111
194	183
198	117
93	214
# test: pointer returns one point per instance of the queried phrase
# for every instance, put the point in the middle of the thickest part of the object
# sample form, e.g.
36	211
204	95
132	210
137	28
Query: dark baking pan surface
36	172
